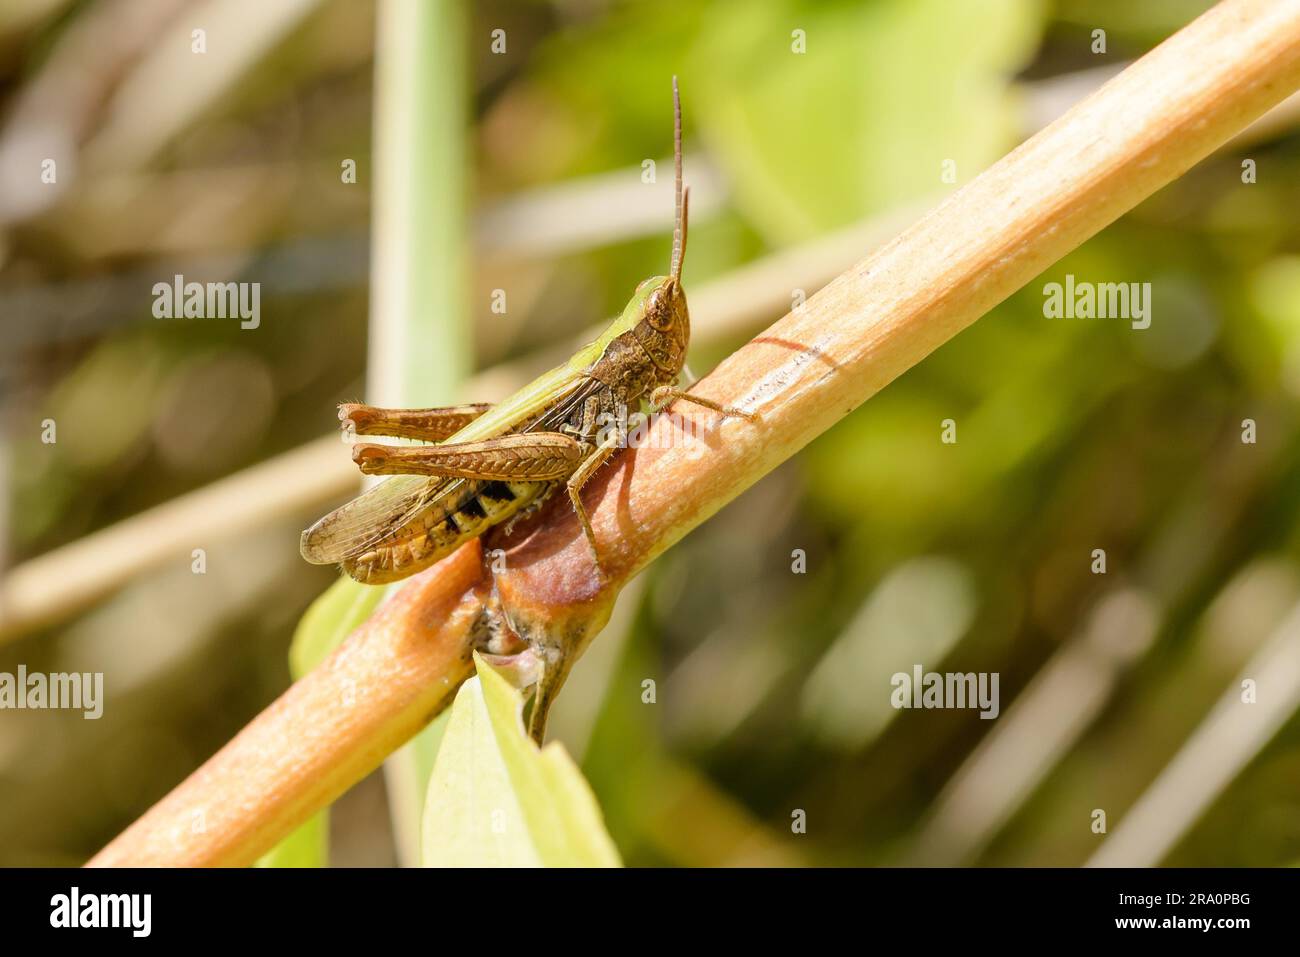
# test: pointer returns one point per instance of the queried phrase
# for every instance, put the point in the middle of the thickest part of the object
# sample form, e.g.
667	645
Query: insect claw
369	457
352	412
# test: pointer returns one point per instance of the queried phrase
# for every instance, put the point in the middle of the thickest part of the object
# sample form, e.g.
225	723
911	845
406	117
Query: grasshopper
492	464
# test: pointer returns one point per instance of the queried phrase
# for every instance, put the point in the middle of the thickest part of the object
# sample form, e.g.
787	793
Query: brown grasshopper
490	464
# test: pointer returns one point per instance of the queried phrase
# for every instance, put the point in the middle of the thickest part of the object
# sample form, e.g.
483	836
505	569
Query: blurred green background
771	687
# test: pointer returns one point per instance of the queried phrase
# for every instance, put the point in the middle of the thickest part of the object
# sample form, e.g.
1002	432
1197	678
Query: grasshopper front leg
428	425
664	396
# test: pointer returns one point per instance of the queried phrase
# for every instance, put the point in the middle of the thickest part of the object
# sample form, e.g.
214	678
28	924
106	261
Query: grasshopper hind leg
428	425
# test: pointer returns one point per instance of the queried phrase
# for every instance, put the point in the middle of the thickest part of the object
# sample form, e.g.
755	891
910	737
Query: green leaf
406	776
496	800
331	618
308	846
861	121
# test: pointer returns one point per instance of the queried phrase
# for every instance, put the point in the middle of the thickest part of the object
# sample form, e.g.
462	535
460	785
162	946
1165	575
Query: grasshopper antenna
682	197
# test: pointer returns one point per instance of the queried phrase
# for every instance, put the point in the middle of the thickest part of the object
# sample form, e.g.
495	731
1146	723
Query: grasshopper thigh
429	425
524	456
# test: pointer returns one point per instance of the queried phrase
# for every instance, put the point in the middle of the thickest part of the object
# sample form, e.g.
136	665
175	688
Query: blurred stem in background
419	317
420	338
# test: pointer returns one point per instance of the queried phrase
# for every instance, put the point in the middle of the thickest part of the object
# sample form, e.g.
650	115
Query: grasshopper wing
371	517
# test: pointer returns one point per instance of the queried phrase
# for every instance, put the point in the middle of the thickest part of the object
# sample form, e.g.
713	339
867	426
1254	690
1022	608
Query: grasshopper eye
659	308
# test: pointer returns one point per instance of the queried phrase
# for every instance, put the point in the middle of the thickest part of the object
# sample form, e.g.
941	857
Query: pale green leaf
331	618
406	777
308	846
496	800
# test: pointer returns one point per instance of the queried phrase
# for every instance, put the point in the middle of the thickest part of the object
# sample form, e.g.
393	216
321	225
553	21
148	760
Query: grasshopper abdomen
440	531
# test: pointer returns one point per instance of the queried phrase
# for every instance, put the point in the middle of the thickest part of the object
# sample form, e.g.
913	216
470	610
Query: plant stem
324	734
878	319
419	329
